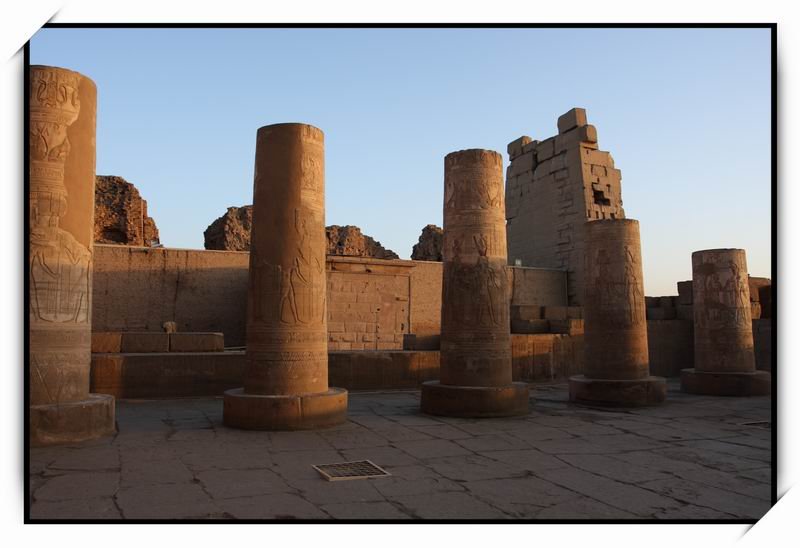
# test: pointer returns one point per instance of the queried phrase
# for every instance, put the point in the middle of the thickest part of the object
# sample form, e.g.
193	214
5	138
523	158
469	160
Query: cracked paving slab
691	458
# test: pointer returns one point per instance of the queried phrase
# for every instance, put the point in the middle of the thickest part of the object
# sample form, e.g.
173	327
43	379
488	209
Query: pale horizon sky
684	112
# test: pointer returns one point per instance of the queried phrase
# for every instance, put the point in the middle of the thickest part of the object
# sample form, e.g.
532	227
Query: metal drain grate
360	469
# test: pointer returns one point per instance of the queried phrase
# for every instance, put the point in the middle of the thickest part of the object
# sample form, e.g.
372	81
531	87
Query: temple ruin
476	374
552	187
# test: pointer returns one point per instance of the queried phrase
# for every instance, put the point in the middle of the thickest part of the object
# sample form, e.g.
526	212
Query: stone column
724	361
617	368
286	380
62	116
476	341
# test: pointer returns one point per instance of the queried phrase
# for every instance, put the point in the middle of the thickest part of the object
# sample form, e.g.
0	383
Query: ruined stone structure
231	232
552	187
476	372
429	247
62	161
617	365
120	214
724	361
348	241
286	381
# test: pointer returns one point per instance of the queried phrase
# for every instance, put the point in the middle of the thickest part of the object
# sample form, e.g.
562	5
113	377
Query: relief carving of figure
633	290
736	289
59	275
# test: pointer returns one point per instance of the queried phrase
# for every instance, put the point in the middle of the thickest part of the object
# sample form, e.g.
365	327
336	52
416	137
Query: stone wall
552	187
372	303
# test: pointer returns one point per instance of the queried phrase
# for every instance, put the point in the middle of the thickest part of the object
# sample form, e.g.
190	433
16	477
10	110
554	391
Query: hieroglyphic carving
60	267
724	297
475	323
617	289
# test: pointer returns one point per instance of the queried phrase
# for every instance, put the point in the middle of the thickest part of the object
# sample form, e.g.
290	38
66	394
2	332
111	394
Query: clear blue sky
684	112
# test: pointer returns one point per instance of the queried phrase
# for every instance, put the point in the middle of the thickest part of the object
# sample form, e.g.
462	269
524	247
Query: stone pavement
691	458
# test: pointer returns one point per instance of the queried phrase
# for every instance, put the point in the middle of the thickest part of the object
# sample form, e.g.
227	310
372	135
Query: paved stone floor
692	458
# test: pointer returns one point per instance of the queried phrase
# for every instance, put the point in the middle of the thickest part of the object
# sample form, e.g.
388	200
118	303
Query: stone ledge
757	383
617	393
291	412
72	422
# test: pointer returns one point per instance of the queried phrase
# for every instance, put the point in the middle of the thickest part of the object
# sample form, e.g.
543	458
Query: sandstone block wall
552	187
372	303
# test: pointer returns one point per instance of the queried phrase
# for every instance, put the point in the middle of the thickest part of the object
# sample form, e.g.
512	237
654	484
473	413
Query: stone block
765	298
545	150
555	312
413	341
530	326
522	164
756	383
107	341
755	285
667	302
167	375
661	313
530	147
567	327
526	312
685	292
515	147
684	312
670	345
135	342
652	302
196	342
571	119
762	343
474	401
755	310
617	393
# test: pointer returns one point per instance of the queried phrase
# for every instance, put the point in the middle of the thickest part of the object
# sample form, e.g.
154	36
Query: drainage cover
360	469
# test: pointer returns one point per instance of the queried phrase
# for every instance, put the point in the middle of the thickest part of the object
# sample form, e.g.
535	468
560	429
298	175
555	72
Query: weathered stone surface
120	214
350	242
286	381
63	107
475	340
724	356
617	361
429	247
722	316
551	190
232	232
675	461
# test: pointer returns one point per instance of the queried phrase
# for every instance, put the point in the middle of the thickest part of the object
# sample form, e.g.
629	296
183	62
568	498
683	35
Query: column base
757	383
617	393
72	422
292	412
474	401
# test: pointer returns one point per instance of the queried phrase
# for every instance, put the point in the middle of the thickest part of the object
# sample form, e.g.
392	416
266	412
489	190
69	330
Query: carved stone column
286	381
617	368
724	361
63	107
476	341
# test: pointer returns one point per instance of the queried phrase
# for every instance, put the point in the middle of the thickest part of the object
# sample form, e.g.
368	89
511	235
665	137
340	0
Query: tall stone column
286	381
724	361
476	341
617	367
63	106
